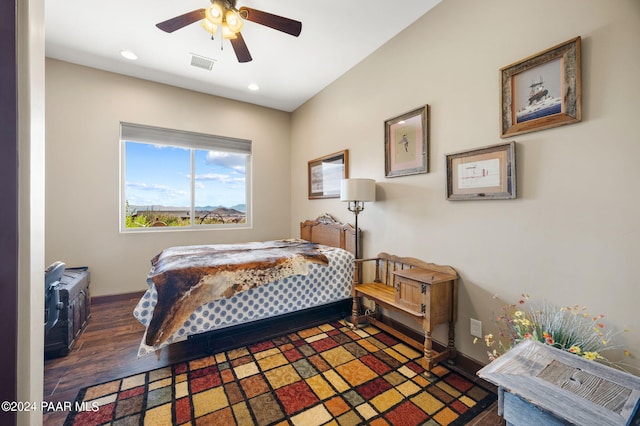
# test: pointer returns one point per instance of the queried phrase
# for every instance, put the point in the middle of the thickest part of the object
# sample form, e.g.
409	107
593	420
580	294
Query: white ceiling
336	35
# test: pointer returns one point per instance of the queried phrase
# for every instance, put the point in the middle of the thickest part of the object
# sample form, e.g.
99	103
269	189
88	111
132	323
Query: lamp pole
358	206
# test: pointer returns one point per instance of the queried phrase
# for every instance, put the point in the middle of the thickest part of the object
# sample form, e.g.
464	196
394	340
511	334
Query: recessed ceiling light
129	55
254	87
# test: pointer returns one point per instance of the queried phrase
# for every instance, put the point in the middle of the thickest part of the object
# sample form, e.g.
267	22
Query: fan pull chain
221	41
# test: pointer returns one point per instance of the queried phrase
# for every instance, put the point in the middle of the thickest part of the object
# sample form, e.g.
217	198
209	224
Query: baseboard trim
97	300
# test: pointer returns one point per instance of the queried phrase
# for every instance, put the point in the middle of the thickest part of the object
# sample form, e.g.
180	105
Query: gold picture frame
482	173
542	91
325	174
406	141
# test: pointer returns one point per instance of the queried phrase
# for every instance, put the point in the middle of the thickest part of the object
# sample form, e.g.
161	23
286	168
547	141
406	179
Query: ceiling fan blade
173	24
270	20
240	47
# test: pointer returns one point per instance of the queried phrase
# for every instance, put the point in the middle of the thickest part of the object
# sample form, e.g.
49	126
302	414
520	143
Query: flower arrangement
569	328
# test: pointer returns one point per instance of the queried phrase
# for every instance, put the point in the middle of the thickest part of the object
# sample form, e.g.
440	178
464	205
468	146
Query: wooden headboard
328	231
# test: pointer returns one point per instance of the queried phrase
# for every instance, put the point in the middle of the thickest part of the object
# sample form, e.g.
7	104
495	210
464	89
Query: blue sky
160	175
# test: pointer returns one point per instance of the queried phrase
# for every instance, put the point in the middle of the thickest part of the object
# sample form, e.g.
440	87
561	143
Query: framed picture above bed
325	174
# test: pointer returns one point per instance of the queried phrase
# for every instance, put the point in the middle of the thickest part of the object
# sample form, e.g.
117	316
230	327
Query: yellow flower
518	314
575	350
591	355
488	339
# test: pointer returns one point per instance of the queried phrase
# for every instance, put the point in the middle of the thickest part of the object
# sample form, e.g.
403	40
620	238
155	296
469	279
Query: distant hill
223	211
238	208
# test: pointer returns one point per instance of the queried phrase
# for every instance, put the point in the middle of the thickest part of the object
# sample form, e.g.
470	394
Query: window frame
138	133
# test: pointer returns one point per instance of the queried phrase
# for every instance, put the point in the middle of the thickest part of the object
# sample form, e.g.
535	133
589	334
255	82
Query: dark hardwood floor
107	350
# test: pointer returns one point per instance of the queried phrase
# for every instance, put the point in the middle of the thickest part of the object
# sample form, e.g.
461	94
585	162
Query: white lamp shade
357	190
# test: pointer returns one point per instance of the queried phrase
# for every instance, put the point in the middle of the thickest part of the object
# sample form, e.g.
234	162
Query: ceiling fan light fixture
227	33
225	14
233	20
213	14
211	28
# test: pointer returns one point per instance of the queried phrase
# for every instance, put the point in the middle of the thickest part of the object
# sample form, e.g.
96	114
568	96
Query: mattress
321	285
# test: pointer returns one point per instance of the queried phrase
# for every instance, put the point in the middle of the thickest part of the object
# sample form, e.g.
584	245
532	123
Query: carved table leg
428	354
354	312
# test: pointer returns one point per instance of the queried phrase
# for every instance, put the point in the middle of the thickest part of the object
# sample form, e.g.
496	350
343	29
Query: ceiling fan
224	14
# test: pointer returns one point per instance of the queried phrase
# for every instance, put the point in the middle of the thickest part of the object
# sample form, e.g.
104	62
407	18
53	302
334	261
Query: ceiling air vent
201	62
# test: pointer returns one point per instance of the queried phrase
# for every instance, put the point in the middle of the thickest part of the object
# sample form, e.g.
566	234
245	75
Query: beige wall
572	235
84	108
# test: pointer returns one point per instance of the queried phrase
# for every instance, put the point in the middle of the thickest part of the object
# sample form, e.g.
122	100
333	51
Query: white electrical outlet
476	328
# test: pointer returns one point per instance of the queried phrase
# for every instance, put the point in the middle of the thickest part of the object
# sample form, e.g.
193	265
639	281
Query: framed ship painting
542	91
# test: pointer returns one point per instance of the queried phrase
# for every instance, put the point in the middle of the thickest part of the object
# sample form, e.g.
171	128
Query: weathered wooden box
539	384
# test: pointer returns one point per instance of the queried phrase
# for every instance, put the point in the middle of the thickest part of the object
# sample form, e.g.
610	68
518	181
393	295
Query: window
176	179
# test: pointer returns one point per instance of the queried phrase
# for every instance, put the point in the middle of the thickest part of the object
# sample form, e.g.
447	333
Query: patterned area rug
322	375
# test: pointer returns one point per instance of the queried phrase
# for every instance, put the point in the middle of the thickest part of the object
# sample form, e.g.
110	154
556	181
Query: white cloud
219	177
227	159
143	193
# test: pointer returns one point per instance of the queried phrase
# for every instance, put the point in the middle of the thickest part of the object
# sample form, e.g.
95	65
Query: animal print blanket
190	276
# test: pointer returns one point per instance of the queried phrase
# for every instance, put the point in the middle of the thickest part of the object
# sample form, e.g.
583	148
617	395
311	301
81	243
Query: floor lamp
356	192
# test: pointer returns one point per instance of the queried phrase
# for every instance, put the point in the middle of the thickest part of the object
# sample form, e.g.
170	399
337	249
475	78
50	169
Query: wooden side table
539	384
428	296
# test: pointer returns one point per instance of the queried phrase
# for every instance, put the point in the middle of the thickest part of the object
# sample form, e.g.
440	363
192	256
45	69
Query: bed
250	282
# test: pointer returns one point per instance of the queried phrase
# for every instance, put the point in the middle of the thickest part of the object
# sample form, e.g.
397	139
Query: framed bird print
406	143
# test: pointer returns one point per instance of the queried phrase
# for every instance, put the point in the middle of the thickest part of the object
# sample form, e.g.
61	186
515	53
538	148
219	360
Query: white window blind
161	136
